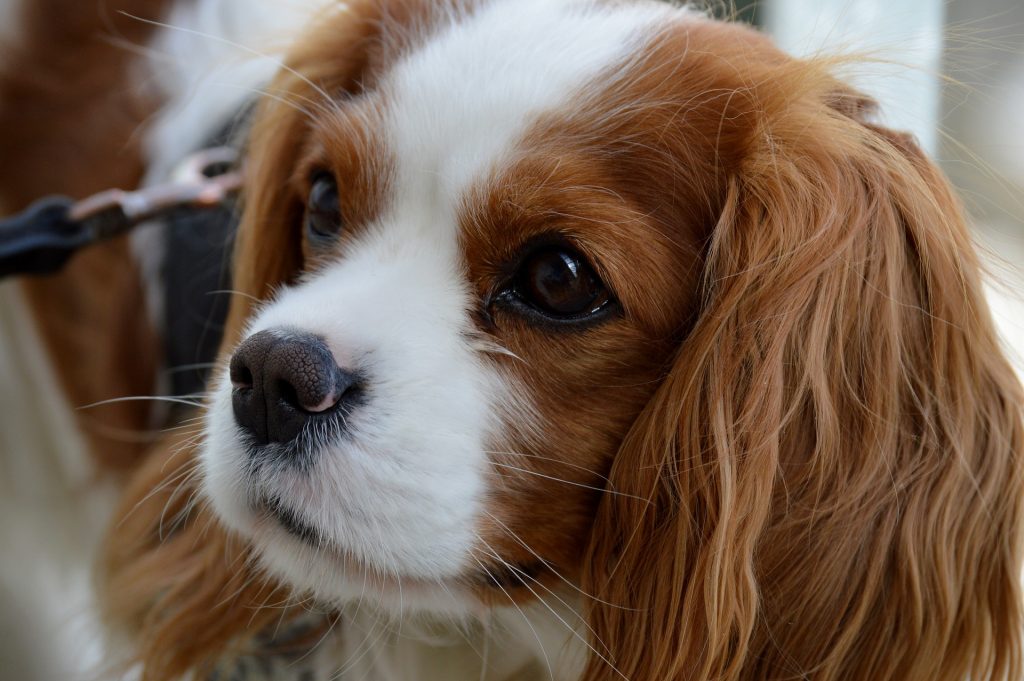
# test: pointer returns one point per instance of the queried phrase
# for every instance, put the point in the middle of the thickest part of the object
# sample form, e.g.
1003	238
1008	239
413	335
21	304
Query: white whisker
570	482
144	398
548	566
543	650
568	626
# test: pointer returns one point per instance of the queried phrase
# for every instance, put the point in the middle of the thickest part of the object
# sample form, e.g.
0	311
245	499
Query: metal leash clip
43	237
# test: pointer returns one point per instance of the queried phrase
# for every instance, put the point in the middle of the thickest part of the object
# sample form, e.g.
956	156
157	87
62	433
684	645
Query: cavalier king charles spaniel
583	340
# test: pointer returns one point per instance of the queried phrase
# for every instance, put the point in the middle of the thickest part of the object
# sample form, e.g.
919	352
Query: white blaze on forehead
462	101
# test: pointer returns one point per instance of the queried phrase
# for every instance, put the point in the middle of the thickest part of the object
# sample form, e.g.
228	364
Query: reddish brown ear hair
173	580
59	75
833	462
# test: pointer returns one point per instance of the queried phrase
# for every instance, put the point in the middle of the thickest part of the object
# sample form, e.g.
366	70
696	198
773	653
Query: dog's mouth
290	521
504	576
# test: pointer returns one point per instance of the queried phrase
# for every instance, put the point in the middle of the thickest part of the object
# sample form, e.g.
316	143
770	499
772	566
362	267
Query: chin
605	332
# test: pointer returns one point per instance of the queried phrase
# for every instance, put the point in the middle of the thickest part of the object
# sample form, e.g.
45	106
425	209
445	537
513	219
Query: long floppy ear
172	580
833	461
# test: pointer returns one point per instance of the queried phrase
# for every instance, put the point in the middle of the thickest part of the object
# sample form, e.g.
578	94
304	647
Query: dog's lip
289	520
506	576
274	510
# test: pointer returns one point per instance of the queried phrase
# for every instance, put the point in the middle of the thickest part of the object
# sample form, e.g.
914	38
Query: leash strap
41	239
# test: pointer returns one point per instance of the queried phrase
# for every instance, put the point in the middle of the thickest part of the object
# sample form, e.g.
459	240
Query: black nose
282	380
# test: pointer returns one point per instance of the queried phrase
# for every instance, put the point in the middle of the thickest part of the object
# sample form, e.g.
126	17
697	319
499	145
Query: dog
575	340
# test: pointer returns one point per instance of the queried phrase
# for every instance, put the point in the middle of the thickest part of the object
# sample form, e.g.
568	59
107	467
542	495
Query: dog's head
476	279
611	295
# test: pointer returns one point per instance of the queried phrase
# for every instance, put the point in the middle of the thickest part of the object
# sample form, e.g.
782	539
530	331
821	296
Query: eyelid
539	242
531	245
317	173
312	157
504	294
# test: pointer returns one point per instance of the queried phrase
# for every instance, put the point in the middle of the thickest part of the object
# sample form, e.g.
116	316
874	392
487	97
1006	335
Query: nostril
247	364
322	398
241	377
330	399
286	393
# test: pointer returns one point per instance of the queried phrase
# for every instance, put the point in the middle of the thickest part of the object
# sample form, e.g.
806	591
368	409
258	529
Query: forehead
459	103
452	91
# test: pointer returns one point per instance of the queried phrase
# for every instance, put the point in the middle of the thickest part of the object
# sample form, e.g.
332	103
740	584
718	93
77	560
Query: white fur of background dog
52	513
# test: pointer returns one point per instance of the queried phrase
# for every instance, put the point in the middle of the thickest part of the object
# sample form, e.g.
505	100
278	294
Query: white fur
209	61
463	100
53	511
536	643
212	58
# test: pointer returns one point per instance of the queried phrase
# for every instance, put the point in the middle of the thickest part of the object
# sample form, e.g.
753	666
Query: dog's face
492	282
606	294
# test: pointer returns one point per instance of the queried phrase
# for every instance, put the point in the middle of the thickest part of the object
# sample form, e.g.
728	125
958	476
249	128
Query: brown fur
831	466
68	73
808	441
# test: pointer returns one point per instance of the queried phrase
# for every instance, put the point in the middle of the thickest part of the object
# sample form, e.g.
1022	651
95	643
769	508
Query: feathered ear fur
833	462
171	578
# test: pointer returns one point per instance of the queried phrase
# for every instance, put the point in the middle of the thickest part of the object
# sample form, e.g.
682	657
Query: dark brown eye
558	283
323	210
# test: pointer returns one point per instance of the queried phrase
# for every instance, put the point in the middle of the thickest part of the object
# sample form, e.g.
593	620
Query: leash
41	239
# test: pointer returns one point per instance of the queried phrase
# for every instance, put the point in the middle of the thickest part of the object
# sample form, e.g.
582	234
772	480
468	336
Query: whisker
494	348
230	43
190	429
293	104
144	398
182	514
174	479
551	459
320	641
364	647
571	482
553	571
543	650
568	626
231	292
189	367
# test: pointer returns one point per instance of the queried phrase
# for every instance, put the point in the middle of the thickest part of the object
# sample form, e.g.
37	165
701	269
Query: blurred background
952	72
